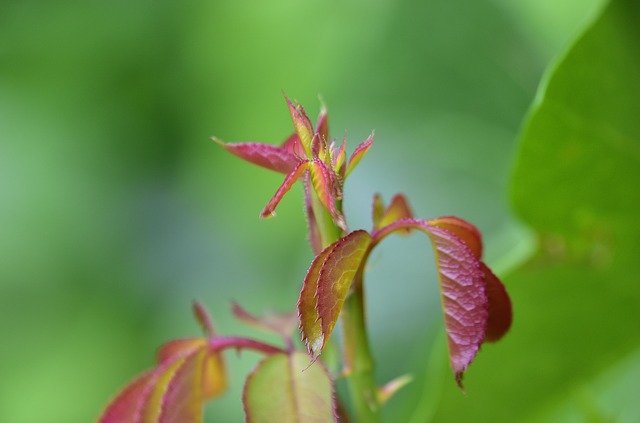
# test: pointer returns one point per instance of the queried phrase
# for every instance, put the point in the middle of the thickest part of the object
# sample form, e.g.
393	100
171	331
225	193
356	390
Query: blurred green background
116	210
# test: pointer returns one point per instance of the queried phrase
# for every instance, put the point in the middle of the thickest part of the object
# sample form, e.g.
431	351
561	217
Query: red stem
225	342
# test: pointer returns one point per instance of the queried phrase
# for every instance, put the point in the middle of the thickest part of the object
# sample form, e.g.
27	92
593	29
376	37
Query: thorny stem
357	359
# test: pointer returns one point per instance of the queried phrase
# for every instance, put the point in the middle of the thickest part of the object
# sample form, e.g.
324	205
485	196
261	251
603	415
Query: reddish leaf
359	153
282	324
336	276
302	125
500	314
462	287
292	145
286	389
307	305
127	406
265	155
291	178
154	402
397	209
464	230
499	303
183	398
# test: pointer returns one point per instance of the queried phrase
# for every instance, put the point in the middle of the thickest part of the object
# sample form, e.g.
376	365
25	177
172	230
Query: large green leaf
577	302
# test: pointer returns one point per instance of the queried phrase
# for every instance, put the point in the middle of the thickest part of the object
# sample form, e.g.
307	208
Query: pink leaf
359	153
462	287
153	404
336	276
499	303
292	145
183	399
127	406
265	155
290	179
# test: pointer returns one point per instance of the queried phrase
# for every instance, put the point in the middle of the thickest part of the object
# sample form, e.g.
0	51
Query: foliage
475	303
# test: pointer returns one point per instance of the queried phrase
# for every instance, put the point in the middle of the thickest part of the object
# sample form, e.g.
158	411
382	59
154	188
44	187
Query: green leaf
285	388
576	183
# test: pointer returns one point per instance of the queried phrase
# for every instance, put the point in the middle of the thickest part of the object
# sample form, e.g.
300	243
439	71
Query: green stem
358	361
357	356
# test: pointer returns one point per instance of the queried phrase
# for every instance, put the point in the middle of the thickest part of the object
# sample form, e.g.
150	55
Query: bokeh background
116	210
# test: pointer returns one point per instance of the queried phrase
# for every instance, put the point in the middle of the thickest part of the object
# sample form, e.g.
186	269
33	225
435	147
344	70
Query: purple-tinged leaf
266	155
286	389
289	180
308	305
127	406
302	125
183	399
462	287
324	185
337	275
390	388
282	324
154	402
500	314
359	153
315	237
397	209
